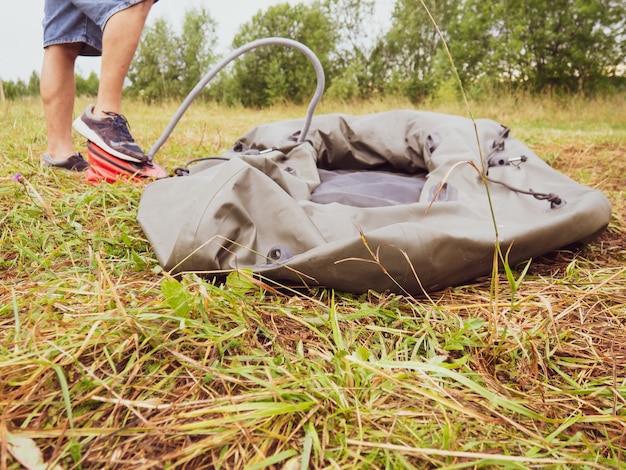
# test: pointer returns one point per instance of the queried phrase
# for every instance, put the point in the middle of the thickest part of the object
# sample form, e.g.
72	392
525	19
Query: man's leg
103	124
120	39
58	89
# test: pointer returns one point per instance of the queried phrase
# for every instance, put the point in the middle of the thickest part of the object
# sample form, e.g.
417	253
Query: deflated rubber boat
402	201
405	201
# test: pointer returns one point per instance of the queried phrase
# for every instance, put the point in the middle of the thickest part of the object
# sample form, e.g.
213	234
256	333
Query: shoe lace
121	125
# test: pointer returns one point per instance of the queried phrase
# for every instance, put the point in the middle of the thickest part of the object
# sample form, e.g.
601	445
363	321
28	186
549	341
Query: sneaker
110	134
74	162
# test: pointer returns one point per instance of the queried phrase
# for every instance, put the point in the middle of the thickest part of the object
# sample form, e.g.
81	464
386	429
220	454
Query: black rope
554	199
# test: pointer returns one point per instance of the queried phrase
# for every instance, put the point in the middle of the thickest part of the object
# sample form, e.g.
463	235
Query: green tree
168	65
87	86
570	45
355	70
567	44
473	40
272	74
20	88
155	68
413	46
15	89
198	41
33	84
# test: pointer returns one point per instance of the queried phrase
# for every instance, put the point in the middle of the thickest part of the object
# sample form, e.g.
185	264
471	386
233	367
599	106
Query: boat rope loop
554	199
498	146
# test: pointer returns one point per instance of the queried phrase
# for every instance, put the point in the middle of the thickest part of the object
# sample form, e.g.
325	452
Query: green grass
107	362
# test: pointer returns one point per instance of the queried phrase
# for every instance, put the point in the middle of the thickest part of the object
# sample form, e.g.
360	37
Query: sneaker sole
84	130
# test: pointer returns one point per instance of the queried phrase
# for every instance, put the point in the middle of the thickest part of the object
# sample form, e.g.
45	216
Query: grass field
107	362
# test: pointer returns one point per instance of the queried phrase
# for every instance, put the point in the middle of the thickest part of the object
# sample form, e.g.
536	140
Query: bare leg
58	89
119	42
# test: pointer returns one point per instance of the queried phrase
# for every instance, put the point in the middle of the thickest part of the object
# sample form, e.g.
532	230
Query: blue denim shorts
79	21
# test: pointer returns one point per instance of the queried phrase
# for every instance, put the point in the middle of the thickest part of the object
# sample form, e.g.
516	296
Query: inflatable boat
403	201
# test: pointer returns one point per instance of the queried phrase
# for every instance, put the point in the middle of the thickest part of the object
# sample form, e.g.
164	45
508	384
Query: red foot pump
106	167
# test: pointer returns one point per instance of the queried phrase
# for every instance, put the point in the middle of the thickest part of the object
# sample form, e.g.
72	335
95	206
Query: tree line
428	47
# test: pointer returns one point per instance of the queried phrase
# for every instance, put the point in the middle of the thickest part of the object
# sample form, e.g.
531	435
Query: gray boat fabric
392	201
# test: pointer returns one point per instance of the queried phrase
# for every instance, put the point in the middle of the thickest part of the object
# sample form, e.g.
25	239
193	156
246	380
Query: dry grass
105	362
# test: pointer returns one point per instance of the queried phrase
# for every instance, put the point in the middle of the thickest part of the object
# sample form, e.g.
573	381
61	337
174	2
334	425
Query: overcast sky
21	33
